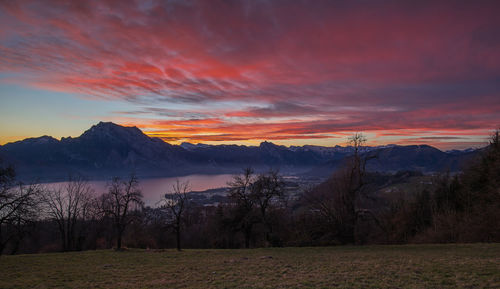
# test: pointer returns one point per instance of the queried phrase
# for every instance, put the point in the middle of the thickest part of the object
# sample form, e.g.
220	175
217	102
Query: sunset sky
290	72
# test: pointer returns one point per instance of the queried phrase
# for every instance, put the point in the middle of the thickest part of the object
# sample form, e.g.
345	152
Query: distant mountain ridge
109	149
423	158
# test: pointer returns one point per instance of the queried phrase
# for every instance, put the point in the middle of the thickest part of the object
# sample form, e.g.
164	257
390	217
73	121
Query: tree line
348	208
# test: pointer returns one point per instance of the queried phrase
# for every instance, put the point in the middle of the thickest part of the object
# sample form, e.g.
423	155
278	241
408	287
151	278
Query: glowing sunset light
241	72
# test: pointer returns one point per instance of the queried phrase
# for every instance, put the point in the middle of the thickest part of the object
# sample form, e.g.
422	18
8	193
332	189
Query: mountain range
108	149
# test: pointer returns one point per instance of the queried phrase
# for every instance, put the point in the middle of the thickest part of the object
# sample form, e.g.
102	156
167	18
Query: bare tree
349	184
17	206
176	202
240	193
266	189
69	206
123	198
337	201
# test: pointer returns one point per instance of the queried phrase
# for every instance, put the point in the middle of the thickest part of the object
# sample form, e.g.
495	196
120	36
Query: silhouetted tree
69	206
337	200
252	201
122	199
176	203
243	201
267	188
17	207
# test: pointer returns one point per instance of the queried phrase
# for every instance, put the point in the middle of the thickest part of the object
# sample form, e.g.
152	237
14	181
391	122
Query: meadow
395	266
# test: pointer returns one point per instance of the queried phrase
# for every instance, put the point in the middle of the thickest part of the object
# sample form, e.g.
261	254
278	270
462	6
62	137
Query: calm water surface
154	189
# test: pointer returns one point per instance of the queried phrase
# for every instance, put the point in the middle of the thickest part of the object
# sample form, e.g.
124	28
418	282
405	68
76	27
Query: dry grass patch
408	266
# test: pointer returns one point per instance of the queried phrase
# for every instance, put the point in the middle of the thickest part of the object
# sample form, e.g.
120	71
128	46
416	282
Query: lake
154	189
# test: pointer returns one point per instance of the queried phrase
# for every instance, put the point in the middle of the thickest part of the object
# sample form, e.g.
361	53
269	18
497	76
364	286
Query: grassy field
409	266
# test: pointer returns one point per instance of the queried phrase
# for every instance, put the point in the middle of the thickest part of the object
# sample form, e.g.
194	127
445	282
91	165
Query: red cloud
266	70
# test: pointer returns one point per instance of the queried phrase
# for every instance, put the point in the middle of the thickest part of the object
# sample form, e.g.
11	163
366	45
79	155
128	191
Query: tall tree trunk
64	242
2	243
178	235
17	243
248	235
119	240
269	233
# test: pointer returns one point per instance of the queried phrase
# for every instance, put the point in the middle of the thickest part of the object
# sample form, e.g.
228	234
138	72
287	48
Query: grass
408	266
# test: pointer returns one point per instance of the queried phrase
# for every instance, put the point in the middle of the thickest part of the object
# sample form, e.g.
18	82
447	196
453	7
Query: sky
241	72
